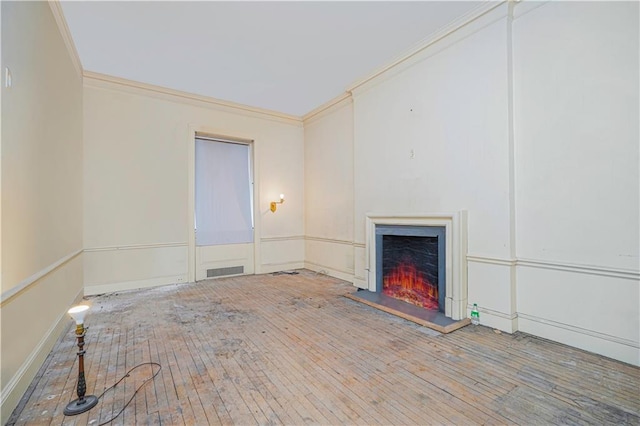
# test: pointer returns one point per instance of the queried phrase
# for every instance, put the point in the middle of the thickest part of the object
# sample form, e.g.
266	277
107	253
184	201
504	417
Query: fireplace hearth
422	276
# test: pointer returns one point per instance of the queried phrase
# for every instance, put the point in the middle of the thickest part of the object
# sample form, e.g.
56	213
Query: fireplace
422	248
412	264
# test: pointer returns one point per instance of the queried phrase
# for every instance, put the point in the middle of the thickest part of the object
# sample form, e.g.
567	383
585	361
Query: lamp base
74	408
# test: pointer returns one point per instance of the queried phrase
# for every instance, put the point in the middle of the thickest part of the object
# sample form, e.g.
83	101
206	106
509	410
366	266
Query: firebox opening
410	264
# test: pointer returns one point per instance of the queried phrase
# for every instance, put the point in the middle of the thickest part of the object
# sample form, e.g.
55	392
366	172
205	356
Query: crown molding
413	54
94	79
526	6
58	15
334	103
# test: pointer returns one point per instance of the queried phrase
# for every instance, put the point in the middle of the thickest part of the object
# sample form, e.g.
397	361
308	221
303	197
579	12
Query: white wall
577	175
433	138
41	192
136	194
328	161
531	125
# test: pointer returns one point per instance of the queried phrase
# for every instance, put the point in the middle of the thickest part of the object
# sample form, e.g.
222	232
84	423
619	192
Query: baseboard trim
579	330
328	270
15	388
95	289
268	268
496	319
494	313
359	282
623	350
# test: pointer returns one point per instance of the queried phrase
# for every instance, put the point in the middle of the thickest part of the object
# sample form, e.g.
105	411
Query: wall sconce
275	203
83	403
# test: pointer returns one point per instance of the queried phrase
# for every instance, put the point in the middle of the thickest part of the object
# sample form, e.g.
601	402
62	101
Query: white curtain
224	213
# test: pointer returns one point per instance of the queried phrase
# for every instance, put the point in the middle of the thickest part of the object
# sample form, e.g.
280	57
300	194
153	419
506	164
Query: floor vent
221	272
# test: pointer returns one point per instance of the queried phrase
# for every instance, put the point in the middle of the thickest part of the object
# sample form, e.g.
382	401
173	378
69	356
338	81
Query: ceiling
289	57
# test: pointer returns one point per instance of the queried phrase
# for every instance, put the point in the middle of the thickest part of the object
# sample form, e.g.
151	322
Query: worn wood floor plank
290	349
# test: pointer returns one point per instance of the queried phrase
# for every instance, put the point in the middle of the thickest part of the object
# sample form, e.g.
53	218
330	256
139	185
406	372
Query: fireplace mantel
455	253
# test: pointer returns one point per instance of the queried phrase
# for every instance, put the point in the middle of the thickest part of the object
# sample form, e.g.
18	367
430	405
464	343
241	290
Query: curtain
224	208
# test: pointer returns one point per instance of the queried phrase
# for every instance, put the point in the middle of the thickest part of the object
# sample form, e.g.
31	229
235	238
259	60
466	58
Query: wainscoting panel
489	285
361	273
26	343
211	260
111	269
332	257
281	254
585	309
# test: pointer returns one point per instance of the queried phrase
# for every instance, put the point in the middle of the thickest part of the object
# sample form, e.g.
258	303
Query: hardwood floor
290	349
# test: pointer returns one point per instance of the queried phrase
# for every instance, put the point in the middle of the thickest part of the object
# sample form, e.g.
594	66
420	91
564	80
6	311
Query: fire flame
404	282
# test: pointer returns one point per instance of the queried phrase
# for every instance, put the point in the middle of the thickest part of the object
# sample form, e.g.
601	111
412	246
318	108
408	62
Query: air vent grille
221	272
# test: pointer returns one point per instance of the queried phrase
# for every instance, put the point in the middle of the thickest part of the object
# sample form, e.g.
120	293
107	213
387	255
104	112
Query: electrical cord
134	394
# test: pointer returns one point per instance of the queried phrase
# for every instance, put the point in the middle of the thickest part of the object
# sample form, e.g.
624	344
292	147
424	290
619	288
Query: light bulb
281	197
78	313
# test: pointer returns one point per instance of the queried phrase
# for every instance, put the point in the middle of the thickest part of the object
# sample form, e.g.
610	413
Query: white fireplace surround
455	225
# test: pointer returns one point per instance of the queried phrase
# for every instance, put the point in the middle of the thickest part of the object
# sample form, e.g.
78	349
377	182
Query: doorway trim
207	131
